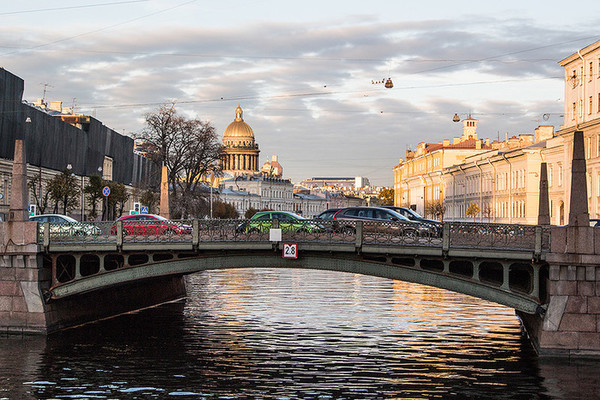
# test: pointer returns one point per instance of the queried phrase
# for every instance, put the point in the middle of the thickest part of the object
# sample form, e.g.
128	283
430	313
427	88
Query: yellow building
418	179
503	179
502	182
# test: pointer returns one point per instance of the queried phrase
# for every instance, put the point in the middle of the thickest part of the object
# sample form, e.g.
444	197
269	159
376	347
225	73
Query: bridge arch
514	284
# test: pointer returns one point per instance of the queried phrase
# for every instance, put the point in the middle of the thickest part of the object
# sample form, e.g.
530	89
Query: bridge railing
392	233
498	236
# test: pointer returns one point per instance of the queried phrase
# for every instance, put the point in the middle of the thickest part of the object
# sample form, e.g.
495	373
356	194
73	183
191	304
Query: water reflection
292	334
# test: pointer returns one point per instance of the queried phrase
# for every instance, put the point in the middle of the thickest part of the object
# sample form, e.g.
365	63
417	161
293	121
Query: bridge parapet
571	324
452	235
22	279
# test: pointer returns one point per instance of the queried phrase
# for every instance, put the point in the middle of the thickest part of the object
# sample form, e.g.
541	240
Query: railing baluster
195	233
119	233
359	234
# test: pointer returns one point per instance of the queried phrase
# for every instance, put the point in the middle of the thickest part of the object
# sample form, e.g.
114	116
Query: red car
151	224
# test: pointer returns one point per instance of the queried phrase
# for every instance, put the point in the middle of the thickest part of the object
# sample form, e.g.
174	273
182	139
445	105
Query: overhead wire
72	7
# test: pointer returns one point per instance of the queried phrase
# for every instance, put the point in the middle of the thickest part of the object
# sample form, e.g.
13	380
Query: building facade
57	140
419	177
503	180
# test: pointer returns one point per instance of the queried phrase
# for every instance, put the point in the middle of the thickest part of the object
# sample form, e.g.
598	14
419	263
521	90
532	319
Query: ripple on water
289	334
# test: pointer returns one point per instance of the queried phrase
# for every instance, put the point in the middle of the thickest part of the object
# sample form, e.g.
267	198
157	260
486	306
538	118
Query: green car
262	222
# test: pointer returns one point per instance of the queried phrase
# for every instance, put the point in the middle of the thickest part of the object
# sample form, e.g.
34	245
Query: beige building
419	177
503	180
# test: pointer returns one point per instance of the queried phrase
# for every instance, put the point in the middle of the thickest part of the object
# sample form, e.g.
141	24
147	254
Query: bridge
98	269
54	277
500	263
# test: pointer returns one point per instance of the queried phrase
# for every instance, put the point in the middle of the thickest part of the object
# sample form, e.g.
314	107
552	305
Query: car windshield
413	213
397	215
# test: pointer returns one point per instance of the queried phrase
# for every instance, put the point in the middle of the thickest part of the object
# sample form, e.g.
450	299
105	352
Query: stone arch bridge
105	268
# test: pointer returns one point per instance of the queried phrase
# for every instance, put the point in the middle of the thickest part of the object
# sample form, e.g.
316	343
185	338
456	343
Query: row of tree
62	194
188	147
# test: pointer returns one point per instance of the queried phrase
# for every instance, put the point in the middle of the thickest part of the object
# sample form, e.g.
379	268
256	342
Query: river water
295	334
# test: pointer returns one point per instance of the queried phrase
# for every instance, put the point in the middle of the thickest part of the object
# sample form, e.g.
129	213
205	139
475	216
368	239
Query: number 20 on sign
290	250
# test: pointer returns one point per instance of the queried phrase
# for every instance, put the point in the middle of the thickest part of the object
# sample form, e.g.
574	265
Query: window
107	169
591	71
560	175
574	111
591	105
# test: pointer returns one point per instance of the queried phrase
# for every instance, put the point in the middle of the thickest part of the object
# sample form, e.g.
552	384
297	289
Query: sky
303	72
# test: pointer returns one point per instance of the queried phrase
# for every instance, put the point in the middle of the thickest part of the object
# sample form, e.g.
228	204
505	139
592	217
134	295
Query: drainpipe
453	195
510	205
493	189
480	191
464	187
582	88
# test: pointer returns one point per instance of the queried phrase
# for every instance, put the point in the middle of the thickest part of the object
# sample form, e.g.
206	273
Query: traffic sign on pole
106	191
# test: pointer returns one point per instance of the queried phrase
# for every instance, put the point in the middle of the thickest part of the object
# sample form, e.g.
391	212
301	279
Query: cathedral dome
238	129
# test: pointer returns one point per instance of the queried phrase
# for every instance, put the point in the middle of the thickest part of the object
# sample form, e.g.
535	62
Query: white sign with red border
290	250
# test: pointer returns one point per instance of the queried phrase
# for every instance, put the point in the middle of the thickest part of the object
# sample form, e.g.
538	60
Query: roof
238	128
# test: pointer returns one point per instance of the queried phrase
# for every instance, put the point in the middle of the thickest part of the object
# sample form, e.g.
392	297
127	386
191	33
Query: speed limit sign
290	250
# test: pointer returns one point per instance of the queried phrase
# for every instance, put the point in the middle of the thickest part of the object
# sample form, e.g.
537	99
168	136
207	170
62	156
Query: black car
436	226
378	214
327	215
411	214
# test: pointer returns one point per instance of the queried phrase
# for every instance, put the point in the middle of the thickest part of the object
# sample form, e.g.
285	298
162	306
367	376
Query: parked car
436	226
64	225
405	226
150	224
327	215
594	222
262	222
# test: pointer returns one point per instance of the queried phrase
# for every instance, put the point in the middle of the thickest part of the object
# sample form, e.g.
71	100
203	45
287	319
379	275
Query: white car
64	225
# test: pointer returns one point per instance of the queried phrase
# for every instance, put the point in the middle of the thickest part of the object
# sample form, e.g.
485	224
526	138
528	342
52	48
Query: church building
240	152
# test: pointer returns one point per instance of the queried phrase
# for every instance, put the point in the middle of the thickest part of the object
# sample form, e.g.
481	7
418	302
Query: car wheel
411	233
253	230
348	230
169	232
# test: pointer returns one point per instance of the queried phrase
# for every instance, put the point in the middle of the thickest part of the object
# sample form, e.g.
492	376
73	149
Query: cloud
306	88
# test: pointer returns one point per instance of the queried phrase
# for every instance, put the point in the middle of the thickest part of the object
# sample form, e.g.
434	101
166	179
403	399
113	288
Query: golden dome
238	128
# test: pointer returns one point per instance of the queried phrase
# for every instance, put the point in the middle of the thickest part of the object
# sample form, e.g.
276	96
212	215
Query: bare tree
437	209
188	147
487	211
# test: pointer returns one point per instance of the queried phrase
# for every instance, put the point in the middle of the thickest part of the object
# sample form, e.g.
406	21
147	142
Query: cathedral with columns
240	151
247	184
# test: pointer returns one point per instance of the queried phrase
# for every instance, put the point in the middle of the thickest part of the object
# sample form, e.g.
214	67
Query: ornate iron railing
447	235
